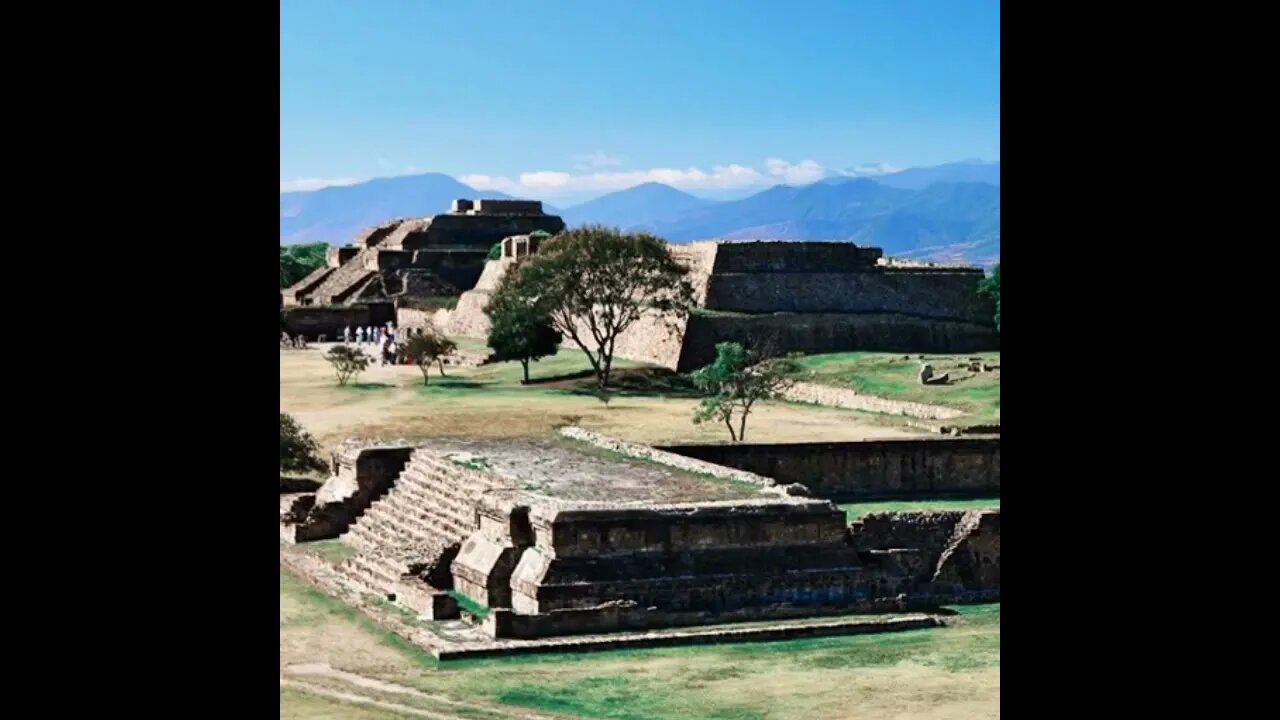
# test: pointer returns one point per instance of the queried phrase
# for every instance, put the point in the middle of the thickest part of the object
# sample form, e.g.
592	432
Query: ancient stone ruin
808	297
400	260
581	534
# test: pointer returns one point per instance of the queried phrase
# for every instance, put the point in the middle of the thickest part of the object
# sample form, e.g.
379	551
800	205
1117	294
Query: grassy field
856	510
489	401
939	673
892	376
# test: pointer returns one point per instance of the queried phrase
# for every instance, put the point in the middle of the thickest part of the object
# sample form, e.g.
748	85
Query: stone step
371	574
409	502
424	518
418	492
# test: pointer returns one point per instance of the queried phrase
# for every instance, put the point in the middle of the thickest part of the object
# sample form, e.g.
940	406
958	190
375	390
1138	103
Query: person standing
360	334
346	334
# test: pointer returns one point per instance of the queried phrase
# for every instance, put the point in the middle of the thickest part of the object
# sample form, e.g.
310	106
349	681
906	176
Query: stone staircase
309	283
345	280
408	538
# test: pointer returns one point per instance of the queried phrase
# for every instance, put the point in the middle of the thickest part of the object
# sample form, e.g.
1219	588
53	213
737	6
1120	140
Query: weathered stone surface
363	475
851	399
512	527
867	469
421	257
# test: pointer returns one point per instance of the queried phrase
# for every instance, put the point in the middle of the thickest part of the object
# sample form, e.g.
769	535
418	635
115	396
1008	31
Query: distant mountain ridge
949	212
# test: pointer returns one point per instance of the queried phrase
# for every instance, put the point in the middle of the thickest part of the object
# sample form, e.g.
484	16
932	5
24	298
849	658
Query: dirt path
296	677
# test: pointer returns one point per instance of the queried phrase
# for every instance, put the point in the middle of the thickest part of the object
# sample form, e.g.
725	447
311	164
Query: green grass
889	375
856	510
471	606
883	675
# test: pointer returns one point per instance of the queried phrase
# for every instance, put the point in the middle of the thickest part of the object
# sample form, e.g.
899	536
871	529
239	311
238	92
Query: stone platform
582	535
461	639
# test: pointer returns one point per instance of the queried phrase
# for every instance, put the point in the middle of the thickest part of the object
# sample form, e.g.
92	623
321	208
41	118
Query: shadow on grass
628	382
451	384
369	386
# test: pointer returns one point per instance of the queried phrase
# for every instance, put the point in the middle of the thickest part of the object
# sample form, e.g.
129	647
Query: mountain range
947	212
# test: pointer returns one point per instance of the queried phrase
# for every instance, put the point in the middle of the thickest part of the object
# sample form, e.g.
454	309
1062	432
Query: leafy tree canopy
298	261
594	282
736	381
518	329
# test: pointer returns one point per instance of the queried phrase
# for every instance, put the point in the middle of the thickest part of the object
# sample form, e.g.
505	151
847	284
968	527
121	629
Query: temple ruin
436	256
807	297
583	534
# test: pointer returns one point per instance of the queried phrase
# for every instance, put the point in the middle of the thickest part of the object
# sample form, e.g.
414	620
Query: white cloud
801	173
597	159
546	180
488	182
300	184
551	183
865	169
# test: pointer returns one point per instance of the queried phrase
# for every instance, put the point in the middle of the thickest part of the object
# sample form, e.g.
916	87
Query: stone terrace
572	471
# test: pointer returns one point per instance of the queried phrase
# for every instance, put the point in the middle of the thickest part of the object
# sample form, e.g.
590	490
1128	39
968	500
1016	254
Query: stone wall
957	551
336	256
707	557
476	232
630	617
361	476
813	333
929	294
494	206
459	268
793	257
313	321
850	399
869	469
414	318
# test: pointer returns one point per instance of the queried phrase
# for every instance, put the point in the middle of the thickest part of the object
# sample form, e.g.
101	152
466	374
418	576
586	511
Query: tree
736	381
990	287
299	452
495	251
518	330
428	347
347	362
298	261
594	282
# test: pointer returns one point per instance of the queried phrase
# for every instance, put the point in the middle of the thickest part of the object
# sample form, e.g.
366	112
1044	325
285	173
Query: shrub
299	452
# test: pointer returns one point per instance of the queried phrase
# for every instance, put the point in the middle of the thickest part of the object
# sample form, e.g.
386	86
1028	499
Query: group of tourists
383	338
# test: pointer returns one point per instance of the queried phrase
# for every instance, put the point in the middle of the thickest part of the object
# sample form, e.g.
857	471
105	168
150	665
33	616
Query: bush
426	348
495	252
347	362
299	452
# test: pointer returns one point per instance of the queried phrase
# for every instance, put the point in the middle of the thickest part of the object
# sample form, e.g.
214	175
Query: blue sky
570	97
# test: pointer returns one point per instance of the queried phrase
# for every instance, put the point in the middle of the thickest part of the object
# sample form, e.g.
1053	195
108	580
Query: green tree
495	251
347	362
736	381
518	330
594	282
299	452
426	348
990	287
298	261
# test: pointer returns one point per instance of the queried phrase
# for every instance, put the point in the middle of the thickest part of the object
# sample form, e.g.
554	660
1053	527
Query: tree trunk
606	365
729	424
525	363
441	362
426	374
742	427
